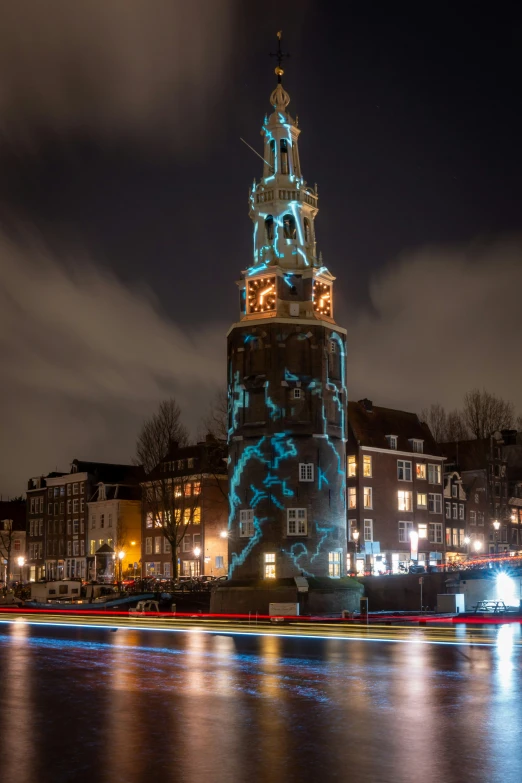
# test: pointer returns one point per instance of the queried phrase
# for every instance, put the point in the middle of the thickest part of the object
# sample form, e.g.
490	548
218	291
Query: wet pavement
84	704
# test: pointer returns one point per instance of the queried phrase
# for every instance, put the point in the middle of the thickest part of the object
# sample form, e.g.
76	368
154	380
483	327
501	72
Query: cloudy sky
123	211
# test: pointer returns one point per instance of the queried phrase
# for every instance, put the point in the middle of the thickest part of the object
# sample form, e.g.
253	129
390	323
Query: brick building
197	478
483	466
395	488
57	535
455	503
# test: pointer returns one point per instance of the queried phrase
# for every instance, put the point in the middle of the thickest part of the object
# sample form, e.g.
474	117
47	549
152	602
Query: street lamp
224	534
496	525
477	545
21	563
197	552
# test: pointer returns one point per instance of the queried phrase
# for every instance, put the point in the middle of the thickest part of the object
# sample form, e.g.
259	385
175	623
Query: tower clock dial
261	294
323	298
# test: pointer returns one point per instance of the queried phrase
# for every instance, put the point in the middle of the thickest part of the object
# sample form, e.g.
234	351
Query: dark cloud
85	359
442	321
112	66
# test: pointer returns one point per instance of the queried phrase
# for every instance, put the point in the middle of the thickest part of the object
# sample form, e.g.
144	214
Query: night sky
124	216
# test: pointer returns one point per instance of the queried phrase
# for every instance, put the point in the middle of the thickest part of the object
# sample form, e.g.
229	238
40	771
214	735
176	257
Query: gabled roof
110	473
118	492
468	454
369	425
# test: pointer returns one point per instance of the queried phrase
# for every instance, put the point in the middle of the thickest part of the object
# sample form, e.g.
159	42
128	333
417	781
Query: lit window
196	516
187	489
246	523
352	497
403	470
404	500
150	520
423	530
368	529
157	545
434	474
368	500
196	487
352	466
420	470
392	441
296	521
367	466
422	500
405	528
306	471
334	564
270	567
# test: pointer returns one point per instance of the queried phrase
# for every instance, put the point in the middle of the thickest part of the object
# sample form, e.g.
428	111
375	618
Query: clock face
323	298
261	294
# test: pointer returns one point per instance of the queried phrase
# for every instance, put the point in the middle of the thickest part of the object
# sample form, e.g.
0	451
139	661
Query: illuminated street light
21	563
496	525
197	551
224	534
477	545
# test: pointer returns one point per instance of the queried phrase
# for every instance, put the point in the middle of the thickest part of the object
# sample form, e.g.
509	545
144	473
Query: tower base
324	596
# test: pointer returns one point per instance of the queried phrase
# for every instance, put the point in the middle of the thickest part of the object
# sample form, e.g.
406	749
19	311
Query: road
99	700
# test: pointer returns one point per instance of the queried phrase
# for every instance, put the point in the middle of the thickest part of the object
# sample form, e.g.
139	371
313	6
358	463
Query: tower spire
279	55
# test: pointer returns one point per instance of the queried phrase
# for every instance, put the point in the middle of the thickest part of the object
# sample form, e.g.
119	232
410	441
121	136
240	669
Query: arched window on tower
272	156
269	228
284	156
307	231
289	227
295	159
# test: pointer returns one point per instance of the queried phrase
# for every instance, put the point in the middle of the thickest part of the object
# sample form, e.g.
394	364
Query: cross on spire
279	55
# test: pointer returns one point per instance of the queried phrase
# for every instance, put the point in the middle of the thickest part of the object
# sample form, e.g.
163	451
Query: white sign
283	610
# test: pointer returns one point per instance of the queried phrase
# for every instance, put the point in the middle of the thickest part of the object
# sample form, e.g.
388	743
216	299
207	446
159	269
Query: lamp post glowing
21	563
477	545
224	534
496	525
197	553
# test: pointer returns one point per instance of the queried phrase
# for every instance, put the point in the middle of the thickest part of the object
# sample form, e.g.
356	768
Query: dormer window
392	441
417	445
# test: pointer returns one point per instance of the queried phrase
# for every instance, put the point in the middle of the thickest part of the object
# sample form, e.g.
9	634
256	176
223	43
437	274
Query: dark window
269	228
284	156
289	227
272	155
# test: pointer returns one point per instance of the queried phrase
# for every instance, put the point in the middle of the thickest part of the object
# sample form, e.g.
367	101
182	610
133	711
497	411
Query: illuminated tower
286	381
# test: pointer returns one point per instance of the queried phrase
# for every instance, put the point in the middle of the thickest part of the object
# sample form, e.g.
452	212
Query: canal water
80	704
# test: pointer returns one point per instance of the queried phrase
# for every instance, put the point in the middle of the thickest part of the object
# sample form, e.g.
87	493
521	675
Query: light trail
460	636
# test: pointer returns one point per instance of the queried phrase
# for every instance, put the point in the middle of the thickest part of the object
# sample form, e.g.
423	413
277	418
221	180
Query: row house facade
115	521
395	491
493	525
57	534
197	477
455	516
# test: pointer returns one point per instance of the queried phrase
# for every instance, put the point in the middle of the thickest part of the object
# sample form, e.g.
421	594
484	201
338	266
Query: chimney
367	405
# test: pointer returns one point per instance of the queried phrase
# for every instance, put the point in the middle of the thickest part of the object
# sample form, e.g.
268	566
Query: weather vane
279	55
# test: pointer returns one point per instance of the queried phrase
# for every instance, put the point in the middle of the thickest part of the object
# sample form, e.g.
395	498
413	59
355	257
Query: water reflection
139	707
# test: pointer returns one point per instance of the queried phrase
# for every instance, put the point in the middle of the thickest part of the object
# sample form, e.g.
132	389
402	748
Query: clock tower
286	381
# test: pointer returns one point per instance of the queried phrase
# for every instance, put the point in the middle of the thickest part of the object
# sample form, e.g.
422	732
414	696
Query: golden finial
279	55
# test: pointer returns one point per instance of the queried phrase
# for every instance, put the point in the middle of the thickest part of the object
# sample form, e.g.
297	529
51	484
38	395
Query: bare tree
456	429
6	547
485	413
436	419
158	433
215	420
